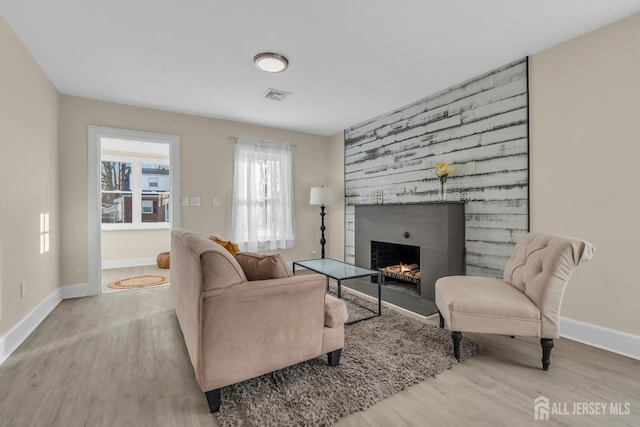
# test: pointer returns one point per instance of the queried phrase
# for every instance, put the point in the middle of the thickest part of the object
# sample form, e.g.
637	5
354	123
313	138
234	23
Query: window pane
155	177
155	207
115	176
116	208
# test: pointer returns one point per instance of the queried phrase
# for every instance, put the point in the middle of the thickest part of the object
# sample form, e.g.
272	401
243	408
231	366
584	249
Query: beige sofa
235	329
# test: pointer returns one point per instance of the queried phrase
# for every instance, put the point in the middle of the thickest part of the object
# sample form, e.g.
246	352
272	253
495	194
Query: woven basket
163	260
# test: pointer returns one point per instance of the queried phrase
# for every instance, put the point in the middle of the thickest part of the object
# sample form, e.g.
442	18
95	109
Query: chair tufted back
540	266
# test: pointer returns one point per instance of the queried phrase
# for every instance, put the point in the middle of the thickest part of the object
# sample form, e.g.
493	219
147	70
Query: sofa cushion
335	312
263	267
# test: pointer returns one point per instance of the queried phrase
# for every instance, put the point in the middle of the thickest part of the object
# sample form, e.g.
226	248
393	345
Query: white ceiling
350	60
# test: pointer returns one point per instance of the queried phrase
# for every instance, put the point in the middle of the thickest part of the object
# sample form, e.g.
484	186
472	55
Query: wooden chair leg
334	357
547	345
213	399
457	337
441	319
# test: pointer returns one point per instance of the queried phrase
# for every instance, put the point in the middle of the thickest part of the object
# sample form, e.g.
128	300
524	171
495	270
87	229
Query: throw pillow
227	244
263	267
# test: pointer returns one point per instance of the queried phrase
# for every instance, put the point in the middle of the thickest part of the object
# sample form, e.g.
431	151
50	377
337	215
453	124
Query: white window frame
136	193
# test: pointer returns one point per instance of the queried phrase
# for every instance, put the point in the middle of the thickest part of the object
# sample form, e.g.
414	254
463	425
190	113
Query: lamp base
322	228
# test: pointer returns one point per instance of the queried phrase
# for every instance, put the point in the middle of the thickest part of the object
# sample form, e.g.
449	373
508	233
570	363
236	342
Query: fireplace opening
399	265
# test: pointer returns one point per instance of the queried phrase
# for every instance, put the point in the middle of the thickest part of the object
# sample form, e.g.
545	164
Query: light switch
185	201
216	202
195	201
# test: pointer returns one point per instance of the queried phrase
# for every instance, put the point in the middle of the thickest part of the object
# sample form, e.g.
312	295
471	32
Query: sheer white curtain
262	213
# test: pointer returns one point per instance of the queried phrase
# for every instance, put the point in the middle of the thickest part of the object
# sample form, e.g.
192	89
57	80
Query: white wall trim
597	336
131	262
76	291
93	180
16	335
93	207
21	331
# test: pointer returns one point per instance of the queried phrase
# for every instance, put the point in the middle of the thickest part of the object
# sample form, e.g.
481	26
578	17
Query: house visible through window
147	207
134	191
263	216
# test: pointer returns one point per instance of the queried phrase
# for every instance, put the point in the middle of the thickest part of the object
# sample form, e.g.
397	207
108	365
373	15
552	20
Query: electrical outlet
185	201
313	249
23	289
216	202
195	201
376	197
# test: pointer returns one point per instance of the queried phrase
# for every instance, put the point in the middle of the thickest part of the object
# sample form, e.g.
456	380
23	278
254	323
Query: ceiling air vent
276	94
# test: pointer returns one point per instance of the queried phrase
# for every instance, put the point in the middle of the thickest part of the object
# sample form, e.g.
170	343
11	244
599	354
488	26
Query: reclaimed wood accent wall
480	127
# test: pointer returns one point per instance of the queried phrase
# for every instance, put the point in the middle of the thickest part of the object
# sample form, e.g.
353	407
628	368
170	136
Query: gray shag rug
381	357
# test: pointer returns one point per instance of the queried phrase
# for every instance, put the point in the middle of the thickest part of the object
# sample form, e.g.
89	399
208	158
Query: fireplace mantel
438	228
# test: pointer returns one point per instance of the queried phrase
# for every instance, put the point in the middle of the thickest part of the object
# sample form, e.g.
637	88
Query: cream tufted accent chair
525	302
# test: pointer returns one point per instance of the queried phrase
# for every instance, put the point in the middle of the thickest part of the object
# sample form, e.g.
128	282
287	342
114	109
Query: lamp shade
322	196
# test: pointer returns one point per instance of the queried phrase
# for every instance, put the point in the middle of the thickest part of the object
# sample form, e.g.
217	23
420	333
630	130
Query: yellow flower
443	169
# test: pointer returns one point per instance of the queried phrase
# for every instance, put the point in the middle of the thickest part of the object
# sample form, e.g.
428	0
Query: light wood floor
119	360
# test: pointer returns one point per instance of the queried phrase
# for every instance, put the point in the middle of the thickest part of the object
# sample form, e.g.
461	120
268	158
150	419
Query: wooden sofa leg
457	337
547	345
334	357
441	319
213	399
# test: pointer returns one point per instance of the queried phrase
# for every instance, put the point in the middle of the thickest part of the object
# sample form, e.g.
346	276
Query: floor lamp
322	196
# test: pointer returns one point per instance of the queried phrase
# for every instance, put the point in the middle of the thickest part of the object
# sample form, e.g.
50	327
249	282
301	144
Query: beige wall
29	177
206	170
584	165
133	244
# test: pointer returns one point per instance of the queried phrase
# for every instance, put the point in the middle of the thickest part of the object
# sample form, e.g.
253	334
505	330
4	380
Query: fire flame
404	268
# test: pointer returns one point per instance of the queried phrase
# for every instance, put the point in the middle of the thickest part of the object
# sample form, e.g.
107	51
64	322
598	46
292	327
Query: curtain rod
235	138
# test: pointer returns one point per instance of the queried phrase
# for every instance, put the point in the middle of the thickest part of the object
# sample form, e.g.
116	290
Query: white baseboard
76	291
597	336
16	335
132	262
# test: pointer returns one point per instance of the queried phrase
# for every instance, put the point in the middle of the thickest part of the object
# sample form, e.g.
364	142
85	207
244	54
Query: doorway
133	194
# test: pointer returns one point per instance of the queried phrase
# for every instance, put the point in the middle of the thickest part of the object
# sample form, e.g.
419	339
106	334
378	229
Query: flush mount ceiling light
271	62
